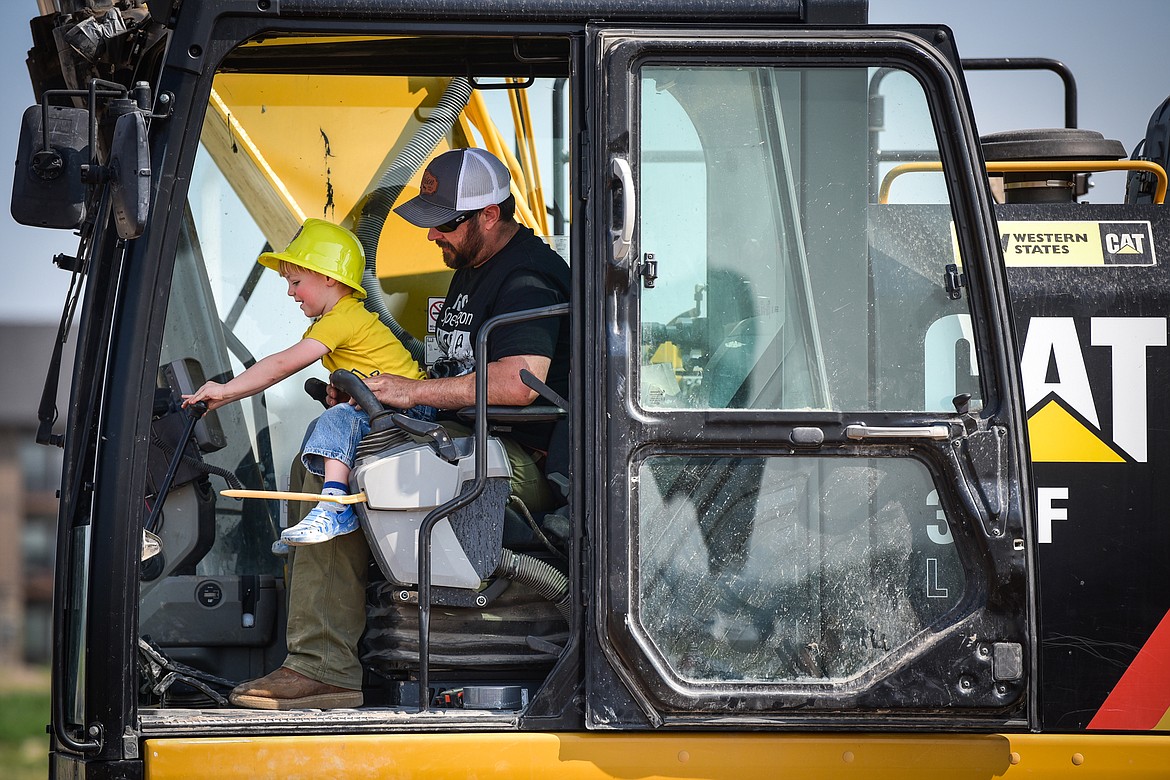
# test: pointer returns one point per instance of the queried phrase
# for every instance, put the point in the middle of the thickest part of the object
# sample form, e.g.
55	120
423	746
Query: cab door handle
623	235
863	431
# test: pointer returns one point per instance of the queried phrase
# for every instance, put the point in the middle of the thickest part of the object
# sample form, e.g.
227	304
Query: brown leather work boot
285	689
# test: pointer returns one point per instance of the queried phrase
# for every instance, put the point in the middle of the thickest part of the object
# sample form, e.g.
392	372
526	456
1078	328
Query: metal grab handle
470	494
863	431
1039	166
623	238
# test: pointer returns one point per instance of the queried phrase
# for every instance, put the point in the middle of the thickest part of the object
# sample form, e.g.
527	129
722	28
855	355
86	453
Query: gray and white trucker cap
456	182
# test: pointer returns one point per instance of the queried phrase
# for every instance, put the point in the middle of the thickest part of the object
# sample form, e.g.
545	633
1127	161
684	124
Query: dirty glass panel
782	283
788	569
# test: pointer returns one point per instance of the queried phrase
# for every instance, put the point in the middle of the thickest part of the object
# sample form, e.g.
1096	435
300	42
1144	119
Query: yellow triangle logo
1127	250
1058	437
1164	723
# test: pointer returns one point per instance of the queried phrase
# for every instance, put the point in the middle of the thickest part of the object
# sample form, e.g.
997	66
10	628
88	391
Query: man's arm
505	388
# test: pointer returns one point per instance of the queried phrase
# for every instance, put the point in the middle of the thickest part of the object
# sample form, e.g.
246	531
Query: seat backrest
1139	187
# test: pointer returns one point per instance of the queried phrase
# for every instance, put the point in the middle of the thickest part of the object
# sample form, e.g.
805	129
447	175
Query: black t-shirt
525	274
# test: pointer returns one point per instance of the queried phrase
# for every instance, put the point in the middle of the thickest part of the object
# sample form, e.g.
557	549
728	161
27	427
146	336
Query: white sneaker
321	525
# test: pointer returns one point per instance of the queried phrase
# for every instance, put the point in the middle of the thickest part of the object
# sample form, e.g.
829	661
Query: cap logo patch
429	184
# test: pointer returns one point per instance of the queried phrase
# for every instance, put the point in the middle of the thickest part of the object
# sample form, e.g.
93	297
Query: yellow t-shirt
358	341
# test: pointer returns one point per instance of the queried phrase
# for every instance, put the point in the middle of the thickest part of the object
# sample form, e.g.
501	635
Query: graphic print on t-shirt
454	333
524	275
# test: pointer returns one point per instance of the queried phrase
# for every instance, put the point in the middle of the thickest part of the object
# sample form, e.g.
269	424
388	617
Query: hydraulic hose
377	206
542	577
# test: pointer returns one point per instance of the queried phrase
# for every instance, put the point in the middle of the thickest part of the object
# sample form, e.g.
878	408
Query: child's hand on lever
213	394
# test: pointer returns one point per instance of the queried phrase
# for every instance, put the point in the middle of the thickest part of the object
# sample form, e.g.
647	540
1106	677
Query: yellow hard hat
325	248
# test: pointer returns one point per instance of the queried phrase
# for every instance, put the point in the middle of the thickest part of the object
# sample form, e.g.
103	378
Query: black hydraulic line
522	510
194	412
203	468
47	410
544	578
163	672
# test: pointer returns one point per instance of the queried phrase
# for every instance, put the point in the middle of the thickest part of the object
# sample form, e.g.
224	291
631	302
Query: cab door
810	430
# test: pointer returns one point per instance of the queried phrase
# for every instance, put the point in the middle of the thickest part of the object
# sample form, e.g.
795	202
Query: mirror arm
92	94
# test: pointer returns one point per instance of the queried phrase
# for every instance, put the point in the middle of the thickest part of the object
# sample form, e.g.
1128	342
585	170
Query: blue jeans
336	433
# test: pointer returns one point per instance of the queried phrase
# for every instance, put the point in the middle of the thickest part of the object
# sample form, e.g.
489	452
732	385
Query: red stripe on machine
1142	696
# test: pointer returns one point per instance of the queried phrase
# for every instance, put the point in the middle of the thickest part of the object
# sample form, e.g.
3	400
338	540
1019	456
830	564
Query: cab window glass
788	569
782	283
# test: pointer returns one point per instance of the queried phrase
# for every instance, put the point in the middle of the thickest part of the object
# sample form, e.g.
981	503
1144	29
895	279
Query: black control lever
194	412
316	388
543	390
440	439
351	384
382	418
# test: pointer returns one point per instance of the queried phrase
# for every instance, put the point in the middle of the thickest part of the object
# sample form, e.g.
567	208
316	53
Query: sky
1116	51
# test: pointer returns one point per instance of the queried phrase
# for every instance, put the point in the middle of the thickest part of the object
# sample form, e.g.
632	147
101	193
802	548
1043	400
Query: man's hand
505	387
392	390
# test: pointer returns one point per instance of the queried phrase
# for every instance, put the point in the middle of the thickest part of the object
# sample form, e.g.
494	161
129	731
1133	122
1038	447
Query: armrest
515	414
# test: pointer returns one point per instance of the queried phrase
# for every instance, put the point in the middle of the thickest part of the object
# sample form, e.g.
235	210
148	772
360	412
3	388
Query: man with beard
500	267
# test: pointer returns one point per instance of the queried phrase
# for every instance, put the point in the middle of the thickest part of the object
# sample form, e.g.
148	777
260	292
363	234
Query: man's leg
327	610
327	614
528	482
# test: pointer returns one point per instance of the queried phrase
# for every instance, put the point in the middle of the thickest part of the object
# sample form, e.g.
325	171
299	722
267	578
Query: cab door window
780	568
800	569
779	287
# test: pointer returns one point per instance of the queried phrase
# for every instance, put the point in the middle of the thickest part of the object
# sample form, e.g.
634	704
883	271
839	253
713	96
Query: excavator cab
340	127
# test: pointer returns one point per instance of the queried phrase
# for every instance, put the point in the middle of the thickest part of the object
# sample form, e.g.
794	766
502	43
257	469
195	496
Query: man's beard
468	254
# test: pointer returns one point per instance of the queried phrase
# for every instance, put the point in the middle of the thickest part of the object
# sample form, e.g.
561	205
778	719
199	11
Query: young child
323	266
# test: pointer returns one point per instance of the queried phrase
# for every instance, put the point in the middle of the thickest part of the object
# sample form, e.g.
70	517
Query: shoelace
324	520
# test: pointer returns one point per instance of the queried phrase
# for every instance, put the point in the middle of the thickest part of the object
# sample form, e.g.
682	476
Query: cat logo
1064	424
1124	243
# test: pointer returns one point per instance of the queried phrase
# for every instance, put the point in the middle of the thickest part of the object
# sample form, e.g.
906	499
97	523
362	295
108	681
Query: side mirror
47	188
130	175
